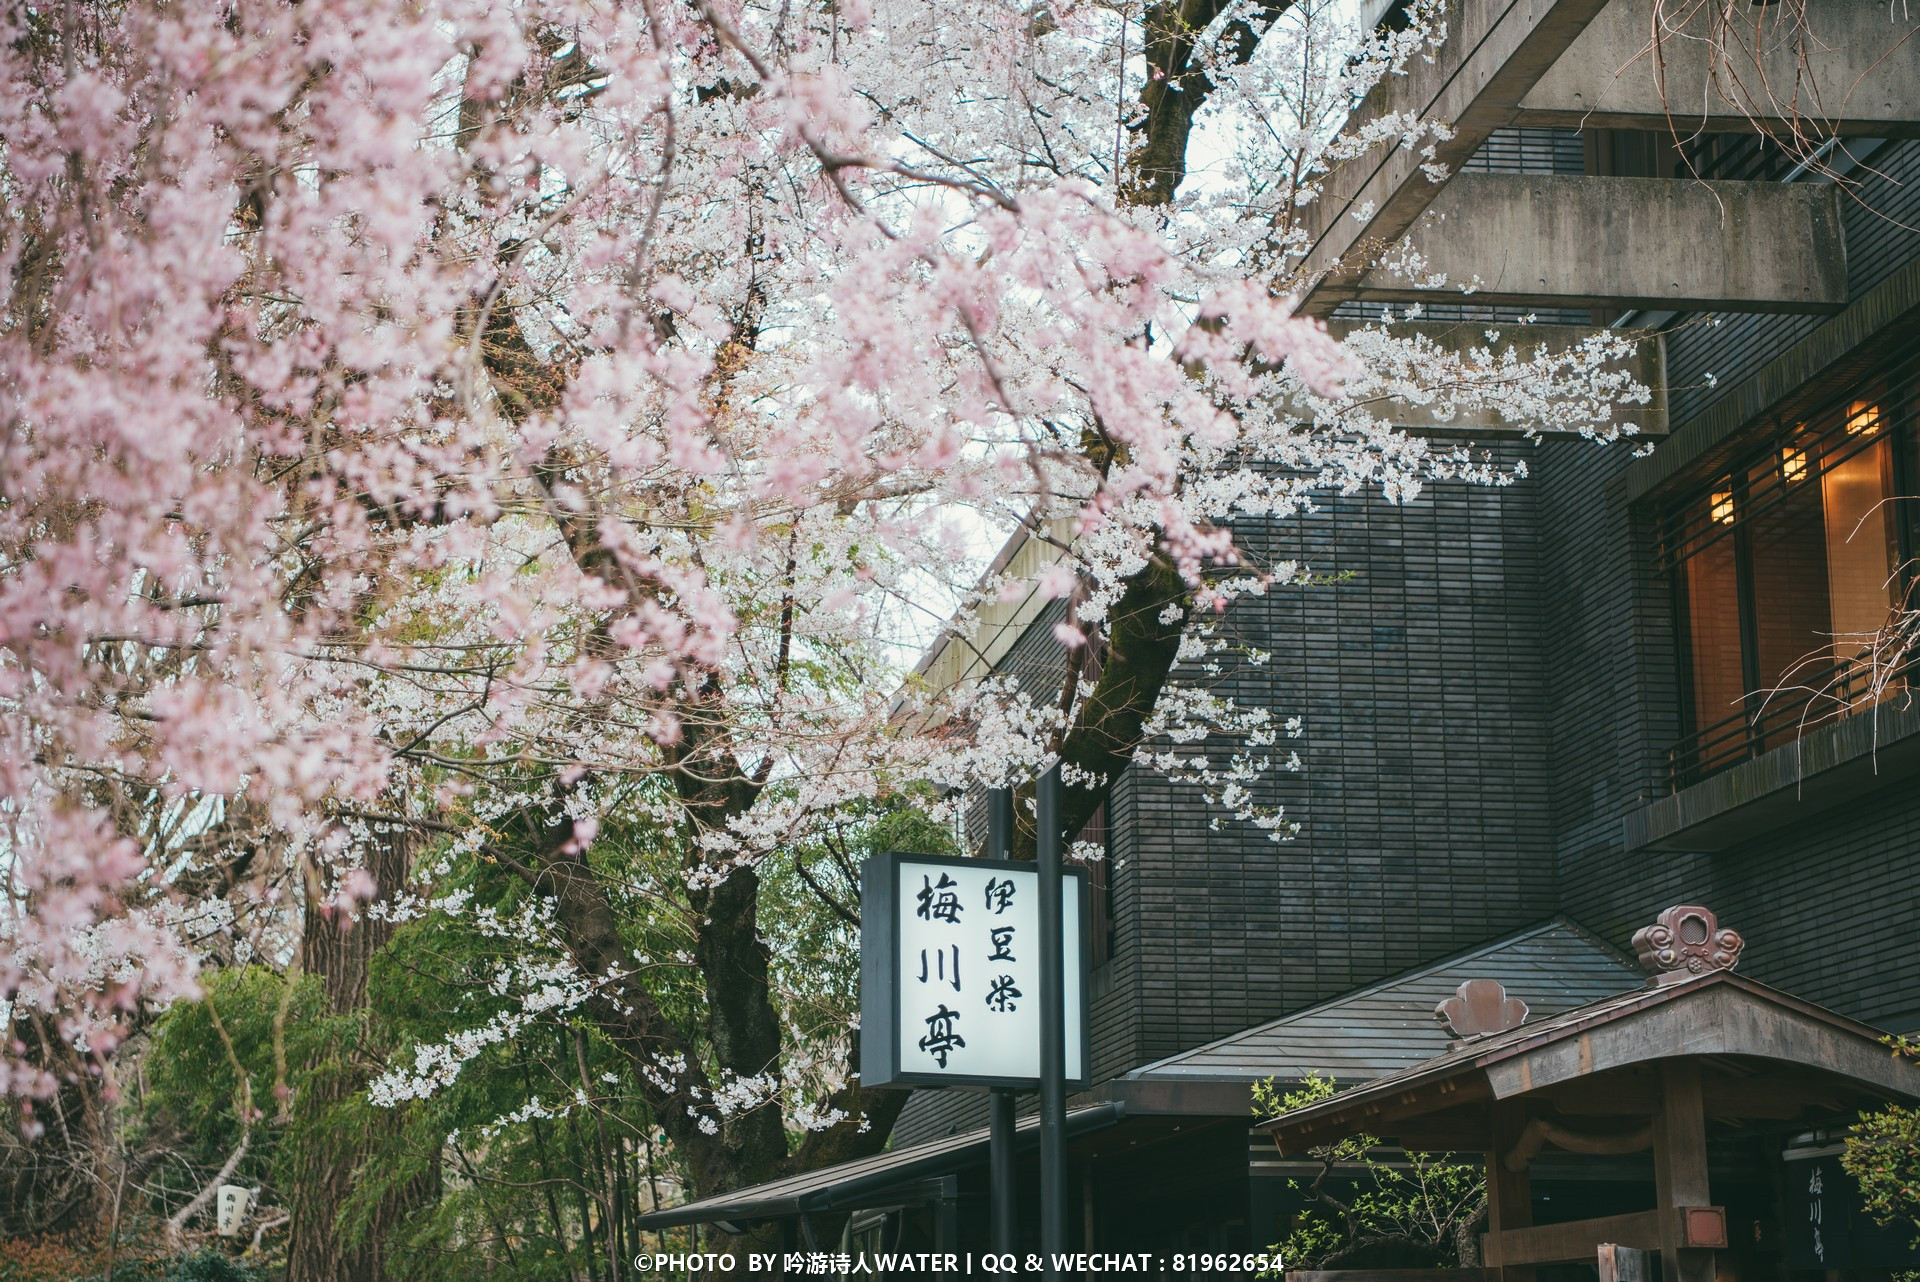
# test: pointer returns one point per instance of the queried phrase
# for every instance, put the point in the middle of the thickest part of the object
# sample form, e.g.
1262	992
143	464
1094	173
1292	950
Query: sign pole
1053	1029
1004	1178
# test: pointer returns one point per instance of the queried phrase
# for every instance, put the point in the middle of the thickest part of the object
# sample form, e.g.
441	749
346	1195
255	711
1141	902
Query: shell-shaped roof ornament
1480	1008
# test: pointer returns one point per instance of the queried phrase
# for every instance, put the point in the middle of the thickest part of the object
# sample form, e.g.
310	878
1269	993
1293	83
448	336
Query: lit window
1863	418
1786	572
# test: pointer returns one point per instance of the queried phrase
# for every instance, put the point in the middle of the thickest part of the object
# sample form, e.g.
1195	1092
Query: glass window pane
1788	571
1792	616
1712	585
1861	552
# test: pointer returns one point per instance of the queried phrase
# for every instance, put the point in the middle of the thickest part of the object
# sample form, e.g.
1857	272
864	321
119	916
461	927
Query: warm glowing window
1785	569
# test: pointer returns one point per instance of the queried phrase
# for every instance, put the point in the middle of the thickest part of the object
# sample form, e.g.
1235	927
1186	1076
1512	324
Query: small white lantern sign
231	1204
950	972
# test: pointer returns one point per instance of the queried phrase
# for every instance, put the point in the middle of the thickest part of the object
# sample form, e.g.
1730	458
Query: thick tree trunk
340	956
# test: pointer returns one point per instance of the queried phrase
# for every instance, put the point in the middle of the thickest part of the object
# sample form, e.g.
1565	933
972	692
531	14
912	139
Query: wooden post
1623	1264
1509	1193
1680	1169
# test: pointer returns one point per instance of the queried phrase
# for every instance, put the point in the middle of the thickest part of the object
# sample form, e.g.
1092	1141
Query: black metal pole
999	823
1053	1030
1004	1178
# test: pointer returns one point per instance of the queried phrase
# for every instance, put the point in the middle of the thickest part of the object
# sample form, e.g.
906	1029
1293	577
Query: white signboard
230	1208
951	972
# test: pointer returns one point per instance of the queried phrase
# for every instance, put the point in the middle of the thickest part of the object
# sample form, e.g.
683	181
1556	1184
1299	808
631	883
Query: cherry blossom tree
436	430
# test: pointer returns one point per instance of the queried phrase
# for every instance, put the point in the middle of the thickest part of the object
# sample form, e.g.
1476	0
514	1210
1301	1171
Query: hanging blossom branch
514	423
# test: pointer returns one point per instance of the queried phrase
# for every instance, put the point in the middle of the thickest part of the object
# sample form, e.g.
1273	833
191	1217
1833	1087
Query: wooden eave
1762	1047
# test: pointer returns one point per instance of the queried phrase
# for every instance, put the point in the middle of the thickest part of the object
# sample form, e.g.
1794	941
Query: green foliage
137	1257
210	1266
1270	1101
817	965
192	1099
543	1147
543	1143
514	1195
1883	1154
1373	1213
540	1135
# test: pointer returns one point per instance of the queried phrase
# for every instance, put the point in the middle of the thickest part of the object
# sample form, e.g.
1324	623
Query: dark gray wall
1423	798
1830	906
1424	824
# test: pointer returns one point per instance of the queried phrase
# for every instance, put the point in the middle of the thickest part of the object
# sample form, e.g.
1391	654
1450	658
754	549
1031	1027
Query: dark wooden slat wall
1425	828
1829	906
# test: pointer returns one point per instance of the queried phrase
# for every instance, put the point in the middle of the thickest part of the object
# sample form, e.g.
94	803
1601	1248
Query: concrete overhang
1571	241
1469	340
1495	52
1854	68
1588	64
1849	344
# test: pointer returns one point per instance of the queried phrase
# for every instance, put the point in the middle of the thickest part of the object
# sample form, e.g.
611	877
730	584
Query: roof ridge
1624	957
1479	1055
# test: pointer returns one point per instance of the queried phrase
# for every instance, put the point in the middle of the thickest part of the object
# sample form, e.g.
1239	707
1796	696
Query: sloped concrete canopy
1569	241
1861	71
1590	64
1496	50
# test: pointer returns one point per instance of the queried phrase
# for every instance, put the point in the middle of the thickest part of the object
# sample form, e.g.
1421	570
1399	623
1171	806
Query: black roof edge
884	1186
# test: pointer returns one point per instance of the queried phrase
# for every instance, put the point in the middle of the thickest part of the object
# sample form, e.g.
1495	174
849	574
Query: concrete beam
1568	241
956	657
1494	54
1647	365
1854	69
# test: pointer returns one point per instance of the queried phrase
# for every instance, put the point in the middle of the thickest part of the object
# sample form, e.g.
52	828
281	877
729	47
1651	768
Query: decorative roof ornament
1683	942
1480	1008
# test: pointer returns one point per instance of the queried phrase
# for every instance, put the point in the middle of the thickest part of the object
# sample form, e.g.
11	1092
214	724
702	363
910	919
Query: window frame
1893	386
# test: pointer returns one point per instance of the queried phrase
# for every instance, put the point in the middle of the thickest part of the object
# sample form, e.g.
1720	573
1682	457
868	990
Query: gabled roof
1718	1016
1554	967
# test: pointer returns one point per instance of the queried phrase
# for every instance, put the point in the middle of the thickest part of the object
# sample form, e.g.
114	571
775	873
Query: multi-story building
1538	715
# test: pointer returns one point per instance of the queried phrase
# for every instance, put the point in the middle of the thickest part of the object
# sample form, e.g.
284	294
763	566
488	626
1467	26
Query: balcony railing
1813	694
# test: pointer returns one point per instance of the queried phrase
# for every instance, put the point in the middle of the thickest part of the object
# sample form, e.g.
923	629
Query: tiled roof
1554	968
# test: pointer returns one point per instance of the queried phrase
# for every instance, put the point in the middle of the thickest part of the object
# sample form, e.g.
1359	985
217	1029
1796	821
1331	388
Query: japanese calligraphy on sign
950	976
1828	1226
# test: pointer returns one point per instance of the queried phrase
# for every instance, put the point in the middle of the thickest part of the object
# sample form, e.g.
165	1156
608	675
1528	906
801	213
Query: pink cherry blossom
417	411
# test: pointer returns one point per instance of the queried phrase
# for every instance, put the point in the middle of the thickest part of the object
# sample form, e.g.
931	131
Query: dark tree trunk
742	1024
61	1181
340	955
